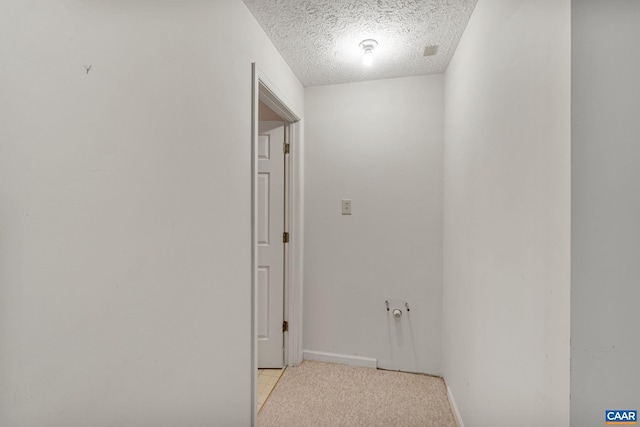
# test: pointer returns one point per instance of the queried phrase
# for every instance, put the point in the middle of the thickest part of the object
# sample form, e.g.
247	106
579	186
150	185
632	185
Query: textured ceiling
320	39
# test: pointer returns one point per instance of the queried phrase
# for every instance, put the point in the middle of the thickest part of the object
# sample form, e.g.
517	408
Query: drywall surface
379	144
605	210
125	269
267	114
507	213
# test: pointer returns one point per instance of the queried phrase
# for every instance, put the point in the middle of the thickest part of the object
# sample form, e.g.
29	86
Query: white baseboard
343	359
454	408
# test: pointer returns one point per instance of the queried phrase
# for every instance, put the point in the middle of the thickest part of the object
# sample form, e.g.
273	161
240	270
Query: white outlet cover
346	206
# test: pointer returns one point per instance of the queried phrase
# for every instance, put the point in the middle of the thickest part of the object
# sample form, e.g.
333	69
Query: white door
271	208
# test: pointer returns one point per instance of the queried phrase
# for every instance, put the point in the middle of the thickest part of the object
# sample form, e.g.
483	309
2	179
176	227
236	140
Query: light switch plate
346	206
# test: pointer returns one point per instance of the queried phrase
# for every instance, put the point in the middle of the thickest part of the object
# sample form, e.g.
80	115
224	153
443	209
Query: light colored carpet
324	394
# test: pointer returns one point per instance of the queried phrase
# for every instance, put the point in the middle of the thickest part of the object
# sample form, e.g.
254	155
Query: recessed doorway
276	284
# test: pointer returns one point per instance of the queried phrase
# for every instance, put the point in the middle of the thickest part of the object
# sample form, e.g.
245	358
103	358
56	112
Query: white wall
506	210
378	143
125	211
605	268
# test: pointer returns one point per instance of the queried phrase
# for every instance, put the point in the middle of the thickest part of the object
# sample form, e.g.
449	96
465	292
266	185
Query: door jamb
263	89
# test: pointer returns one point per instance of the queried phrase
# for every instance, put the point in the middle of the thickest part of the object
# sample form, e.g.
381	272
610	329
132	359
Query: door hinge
285	237
287	148
285	326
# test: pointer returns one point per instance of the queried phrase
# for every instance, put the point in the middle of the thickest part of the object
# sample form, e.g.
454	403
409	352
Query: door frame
263	89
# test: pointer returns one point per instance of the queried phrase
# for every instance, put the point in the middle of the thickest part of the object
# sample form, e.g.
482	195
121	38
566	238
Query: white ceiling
320	39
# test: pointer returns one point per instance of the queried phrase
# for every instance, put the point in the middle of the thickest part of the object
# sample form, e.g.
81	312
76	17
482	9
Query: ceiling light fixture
368	46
